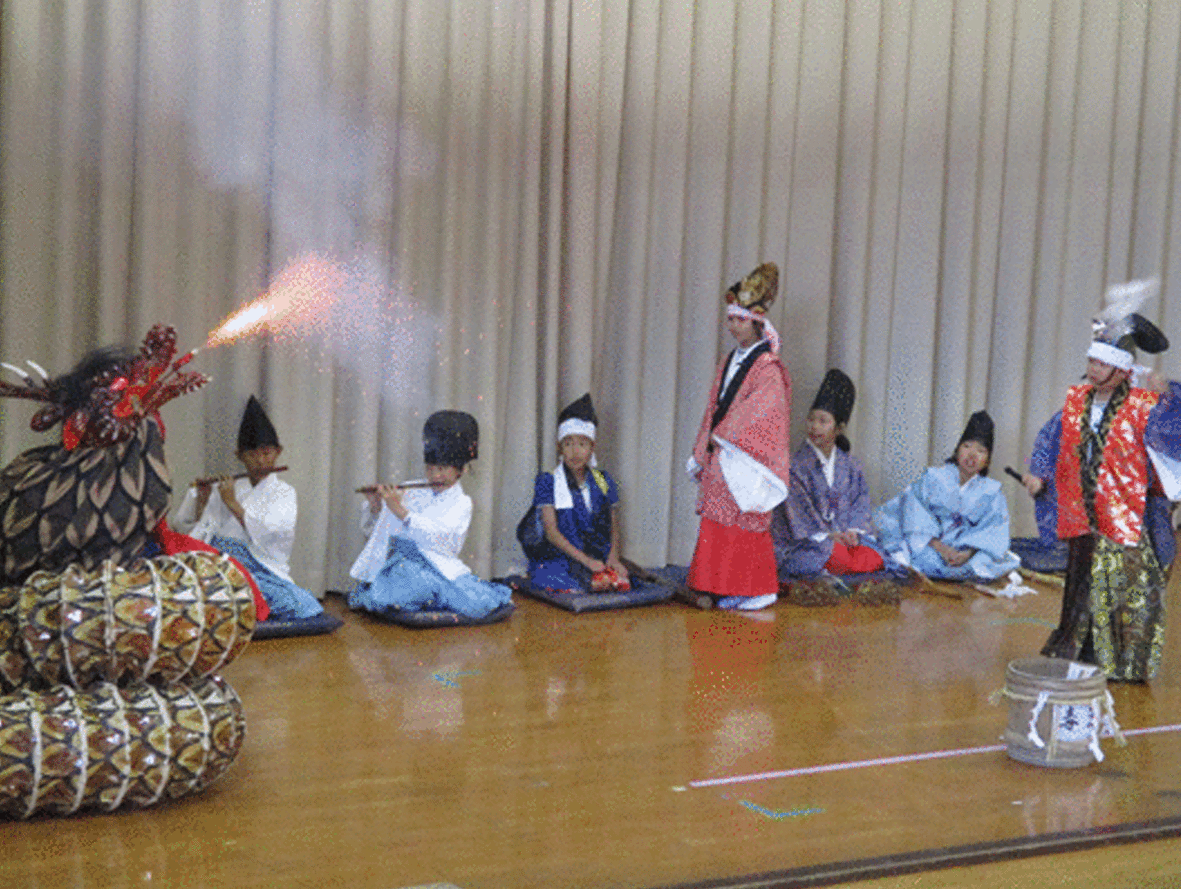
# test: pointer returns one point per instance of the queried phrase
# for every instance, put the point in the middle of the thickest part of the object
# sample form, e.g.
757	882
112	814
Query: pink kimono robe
735	555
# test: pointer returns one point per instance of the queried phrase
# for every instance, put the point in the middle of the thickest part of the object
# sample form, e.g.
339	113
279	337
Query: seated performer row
763	522
415	532
764	518
571	535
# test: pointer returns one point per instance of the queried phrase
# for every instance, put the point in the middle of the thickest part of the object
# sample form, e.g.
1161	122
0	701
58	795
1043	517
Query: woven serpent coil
62	750
112	698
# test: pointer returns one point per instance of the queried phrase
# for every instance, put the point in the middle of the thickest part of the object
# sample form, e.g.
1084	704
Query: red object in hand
607	581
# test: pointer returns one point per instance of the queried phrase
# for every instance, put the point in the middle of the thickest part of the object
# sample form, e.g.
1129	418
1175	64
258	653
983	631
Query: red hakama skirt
730	561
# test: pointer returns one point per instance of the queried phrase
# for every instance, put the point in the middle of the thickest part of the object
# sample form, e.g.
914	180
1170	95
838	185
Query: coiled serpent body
109	692
112	696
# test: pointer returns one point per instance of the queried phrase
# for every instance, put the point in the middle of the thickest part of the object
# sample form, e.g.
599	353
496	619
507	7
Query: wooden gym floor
561	750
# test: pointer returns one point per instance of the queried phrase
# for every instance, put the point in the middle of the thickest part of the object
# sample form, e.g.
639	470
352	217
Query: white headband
770	334
1110	354
574	426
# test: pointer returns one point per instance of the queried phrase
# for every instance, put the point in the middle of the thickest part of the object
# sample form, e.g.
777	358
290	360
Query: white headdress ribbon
1109	354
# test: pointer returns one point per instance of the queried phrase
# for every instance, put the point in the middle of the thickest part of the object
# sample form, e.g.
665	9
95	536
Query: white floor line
887	761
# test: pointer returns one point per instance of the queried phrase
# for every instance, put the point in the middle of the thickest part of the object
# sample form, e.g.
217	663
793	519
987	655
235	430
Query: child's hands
614	564
204	489
225	489
595	565
847	538
392	495
959	557
374	499
1154	382
609	580
952	556
1033	484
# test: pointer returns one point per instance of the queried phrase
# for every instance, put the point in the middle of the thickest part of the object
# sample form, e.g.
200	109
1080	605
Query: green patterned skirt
1113	611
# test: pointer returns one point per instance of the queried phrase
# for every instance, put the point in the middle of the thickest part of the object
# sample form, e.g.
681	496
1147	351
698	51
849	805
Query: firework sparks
301	296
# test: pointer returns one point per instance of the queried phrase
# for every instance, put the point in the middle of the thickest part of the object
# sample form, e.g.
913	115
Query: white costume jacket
270	513
437	523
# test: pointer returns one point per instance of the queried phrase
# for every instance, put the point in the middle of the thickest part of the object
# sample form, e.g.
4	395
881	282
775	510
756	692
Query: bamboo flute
372	489
214	479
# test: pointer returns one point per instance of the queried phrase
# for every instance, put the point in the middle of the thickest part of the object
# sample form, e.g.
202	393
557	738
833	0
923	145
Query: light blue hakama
409	582
286	600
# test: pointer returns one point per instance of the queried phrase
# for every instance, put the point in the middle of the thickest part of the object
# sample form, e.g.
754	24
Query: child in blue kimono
953	522
411	559
825	525
578	508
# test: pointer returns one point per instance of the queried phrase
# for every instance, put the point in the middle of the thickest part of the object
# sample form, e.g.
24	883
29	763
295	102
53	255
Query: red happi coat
758	421
1122	486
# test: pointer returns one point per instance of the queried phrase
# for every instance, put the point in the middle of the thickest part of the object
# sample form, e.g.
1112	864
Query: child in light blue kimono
953	522
416	531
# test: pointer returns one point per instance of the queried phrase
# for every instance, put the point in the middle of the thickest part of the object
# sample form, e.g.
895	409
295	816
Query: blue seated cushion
641	593
277	628
432	619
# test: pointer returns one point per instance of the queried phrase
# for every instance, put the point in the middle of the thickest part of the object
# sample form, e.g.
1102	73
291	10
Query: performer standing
411	558
742	453
1108	448
826	522
253	518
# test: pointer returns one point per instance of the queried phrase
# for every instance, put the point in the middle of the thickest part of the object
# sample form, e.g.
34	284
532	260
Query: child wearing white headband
1103	469
578	505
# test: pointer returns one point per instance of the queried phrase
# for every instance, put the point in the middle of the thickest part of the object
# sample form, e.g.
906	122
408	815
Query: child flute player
411	559
253	518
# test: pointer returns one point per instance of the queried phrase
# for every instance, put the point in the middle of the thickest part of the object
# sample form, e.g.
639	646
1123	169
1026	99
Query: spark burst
300	297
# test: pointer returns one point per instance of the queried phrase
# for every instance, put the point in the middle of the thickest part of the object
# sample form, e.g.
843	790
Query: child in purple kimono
825	523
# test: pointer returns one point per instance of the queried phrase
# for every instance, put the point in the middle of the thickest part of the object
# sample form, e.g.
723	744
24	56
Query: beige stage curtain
534	199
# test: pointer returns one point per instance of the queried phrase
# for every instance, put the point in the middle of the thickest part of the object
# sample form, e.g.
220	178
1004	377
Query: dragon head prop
109	393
